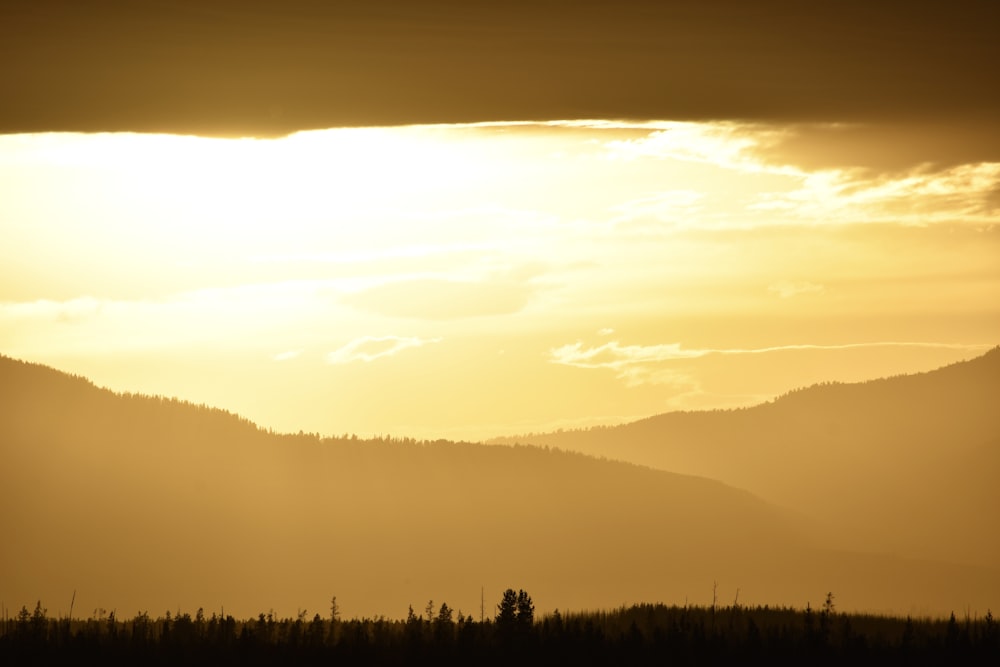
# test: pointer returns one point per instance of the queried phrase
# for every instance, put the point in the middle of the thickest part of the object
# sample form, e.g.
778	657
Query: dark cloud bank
245	67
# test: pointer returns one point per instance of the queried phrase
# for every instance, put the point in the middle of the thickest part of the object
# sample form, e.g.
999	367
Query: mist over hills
905	465
145	503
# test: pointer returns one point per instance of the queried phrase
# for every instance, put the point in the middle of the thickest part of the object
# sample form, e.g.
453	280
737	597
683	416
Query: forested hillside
141	503
905	465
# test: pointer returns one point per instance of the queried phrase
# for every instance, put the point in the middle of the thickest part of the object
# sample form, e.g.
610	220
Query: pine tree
525	610
507	609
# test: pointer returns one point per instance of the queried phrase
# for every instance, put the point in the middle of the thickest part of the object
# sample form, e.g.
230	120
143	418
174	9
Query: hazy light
124	253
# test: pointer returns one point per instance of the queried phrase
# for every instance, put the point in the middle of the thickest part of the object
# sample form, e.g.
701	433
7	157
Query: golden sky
820	202
471	280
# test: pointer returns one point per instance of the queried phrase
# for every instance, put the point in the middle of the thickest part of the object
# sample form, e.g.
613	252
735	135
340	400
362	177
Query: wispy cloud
642	364
961	193
615	355
729	145
921	196
370	348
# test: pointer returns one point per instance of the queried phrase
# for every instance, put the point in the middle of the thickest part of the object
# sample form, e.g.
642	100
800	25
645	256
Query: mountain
905	465
144	503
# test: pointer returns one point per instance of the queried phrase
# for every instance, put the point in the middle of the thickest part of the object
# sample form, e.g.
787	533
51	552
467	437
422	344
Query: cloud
615	355
514	61
370	348
730	145
884	147
791	188
635	364
643	364
961	193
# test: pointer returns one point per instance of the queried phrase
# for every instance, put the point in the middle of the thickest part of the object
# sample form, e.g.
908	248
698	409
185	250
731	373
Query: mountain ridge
150	503
855	456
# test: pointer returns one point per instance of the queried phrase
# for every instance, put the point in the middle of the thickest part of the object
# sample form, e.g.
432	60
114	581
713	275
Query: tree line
640	634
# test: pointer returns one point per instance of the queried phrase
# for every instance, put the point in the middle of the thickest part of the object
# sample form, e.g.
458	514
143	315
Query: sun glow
463	259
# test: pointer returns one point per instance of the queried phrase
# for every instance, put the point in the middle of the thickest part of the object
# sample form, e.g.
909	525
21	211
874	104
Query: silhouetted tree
444	626
828	607
23	620
525	610
334	619
515	615
826	618
413	629
444	614
429	610
507	609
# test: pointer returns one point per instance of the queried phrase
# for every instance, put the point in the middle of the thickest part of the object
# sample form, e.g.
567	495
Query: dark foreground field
637	635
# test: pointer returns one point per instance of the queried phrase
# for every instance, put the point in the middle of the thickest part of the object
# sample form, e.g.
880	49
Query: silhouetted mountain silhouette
141	503
906	464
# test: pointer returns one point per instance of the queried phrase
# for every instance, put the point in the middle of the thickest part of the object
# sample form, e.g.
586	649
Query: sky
459	221
237	67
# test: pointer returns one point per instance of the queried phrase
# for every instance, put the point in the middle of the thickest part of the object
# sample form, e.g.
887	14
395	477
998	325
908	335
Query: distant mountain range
145	503
907	465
